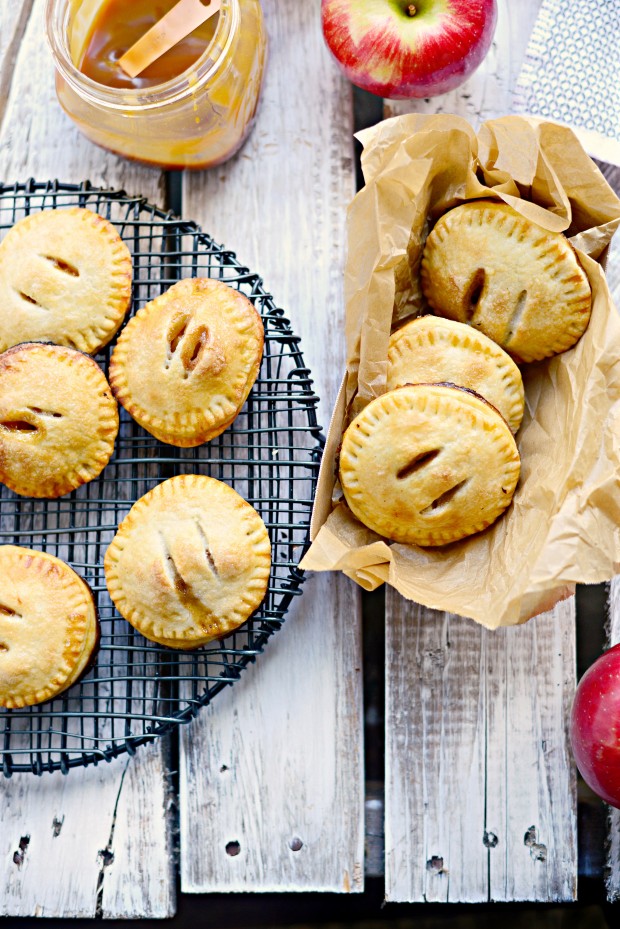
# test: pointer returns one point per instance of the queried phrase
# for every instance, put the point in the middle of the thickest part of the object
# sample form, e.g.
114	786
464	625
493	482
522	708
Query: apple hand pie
486	265
428	464
430	350
190	562
48	626
58	419
65	277
184	365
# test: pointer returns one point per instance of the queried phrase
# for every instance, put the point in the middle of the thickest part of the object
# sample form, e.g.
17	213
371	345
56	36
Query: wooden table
480	800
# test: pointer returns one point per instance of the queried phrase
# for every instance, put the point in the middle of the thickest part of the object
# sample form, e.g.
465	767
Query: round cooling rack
136	690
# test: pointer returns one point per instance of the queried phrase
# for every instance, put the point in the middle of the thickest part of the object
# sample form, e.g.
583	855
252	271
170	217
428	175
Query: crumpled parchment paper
564	523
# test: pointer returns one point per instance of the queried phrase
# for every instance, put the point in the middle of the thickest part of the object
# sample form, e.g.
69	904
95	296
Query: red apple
595	726
397	49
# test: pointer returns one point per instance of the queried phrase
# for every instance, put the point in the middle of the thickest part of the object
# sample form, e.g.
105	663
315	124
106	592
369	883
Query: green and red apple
398	50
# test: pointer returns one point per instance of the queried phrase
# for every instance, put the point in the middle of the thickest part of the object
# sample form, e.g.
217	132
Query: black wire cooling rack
136	690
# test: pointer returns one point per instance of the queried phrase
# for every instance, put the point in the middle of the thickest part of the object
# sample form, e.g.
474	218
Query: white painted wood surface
472	746
480	801
480	786
276	763
95	842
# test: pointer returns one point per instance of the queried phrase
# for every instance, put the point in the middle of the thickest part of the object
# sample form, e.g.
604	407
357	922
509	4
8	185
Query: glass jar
195	120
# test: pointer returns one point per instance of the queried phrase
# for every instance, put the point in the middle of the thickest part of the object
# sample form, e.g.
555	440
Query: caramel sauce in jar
192	108
113	32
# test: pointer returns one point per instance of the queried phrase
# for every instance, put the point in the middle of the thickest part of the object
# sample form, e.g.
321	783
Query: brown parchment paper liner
564	524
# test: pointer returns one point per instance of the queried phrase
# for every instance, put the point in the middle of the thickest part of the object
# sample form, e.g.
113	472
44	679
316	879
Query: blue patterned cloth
571	72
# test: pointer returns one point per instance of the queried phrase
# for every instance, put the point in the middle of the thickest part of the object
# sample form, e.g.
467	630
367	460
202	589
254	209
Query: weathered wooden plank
13	21
480	794
434	759
94	842
530	788
492	781
276	763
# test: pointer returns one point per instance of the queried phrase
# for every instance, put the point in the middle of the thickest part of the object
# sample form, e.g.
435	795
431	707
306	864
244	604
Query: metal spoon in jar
182	19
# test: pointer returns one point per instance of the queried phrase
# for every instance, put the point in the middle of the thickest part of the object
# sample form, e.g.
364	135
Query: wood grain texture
613	819
480	787
276	763
96	841
480	792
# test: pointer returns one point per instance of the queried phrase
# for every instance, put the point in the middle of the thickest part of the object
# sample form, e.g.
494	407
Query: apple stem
411	10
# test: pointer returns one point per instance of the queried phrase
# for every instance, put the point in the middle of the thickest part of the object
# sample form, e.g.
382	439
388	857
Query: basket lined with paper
563	525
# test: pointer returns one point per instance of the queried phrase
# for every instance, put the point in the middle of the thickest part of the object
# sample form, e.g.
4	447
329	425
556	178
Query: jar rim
201	72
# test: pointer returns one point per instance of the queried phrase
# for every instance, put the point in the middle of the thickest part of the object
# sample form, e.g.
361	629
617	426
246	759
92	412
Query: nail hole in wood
489	839
106	857
233	849
20	854
296	844
435	865
538	851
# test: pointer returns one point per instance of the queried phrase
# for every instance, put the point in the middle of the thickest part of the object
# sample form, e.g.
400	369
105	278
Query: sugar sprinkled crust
428	464
190	562
48	626
430	350
65	277
58	419
486	265
185	364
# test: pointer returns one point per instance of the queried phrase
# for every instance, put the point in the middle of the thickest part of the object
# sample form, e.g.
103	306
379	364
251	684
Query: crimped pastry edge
86	656
566	339
434	538
121	274
144	624
108	422
442	325
175	433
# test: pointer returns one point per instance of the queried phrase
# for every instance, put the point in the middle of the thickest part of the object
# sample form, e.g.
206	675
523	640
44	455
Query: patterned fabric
571	72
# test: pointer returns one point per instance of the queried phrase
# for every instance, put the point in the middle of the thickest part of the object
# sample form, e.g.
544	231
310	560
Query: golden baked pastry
486	265
185	364
190	562
430	350
48	626
428	464
65	277
58	419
